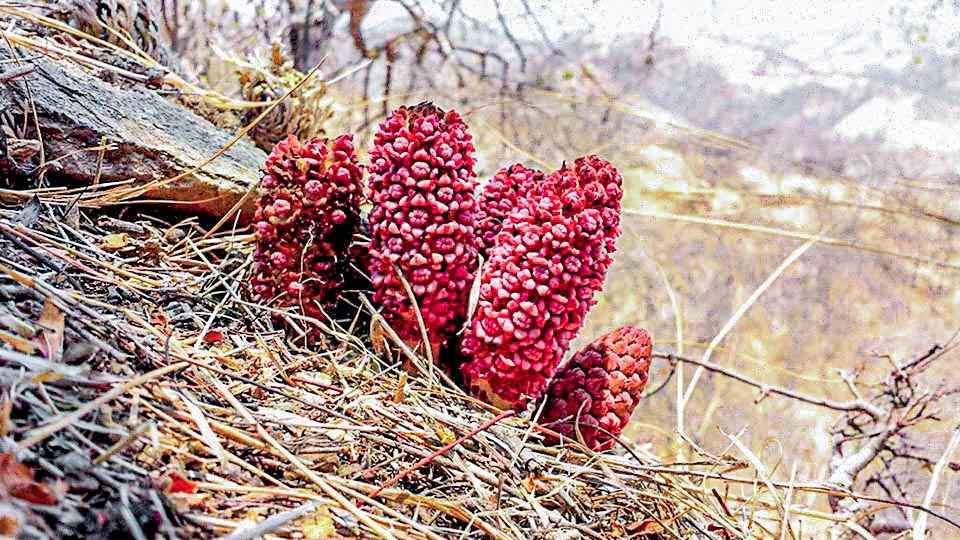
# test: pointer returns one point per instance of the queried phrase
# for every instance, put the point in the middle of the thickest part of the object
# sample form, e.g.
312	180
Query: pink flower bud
541	237
421	225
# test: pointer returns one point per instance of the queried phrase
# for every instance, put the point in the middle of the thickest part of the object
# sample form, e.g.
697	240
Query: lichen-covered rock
422	186
596	391
307	213
548	261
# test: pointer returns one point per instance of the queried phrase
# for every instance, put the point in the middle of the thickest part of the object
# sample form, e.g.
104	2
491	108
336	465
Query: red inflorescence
308	210
499	197
595	392
546	265
422	221
601	188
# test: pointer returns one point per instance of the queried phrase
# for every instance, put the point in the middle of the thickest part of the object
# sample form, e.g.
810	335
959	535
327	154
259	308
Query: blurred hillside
865	89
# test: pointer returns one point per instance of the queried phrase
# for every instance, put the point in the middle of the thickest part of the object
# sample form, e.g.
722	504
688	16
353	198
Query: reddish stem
486	425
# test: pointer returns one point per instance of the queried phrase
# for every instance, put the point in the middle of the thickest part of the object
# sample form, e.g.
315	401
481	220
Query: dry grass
186	379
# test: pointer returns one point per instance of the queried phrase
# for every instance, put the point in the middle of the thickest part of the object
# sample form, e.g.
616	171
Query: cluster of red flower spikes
422	186
594	394
306	215
547	262
548	241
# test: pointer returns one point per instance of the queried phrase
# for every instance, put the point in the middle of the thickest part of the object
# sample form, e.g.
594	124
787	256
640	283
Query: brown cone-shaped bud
596	391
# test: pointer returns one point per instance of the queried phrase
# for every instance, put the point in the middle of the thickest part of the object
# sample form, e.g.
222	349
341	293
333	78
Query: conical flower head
548	261
596	391
307	212
422	186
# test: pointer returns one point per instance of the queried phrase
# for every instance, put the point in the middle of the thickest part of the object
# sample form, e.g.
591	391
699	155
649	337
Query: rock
155	138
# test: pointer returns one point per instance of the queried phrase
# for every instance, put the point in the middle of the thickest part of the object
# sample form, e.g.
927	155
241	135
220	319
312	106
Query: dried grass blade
797	253
789	234
39	434
920	525
206	432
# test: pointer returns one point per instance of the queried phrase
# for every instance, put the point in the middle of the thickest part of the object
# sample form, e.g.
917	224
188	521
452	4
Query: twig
273	522
124	442
9	233
11	74
297	463
789	234
442	451
35	436
732	321
855	405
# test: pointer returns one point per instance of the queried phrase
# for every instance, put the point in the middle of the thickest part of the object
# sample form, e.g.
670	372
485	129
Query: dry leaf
179	484
398	396
213	336
159	318
71	218
29	215
9	525
646	528
378	336
529	484
20	344
114	241
724	533
319	525
52	321
16	480
22	149
33	493
47	376
445	434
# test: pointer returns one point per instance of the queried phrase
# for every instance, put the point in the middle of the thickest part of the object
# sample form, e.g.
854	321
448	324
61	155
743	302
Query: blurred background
742	130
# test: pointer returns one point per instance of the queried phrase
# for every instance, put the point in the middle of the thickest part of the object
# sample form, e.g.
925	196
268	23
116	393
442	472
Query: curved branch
857	405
